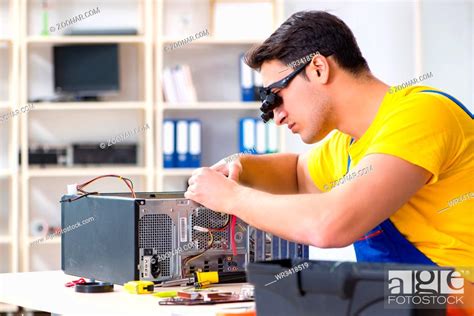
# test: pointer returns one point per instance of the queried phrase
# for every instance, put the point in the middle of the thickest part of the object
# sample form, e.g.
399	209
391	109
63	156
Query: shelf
68	106
212	106
122	170
213	41
178	172
5	239
85	39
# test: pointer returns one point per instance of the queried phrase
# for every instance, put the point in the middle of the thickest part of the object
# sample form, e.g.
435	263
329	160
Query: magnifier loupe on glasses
270	101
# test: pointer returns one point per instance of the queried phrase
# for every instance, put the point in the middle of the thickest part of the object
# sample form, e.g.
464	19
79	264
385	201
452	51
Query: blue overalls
385	243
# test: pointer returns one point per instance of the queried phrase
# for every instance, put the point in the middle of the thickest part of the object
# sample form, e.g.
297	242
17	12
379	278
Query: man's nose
279	115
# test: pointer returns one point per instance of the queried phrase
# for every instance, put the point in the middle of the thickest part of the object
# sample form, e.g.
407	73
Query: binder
169	86
182	144
257	84
180	83
168	143
261	137
272	137
178	86
247	134
246	81
194	143
190	89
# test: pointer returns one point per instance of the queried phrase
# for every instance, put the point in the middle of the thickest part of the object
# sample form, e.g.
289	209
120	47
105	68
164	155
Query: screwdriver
204	279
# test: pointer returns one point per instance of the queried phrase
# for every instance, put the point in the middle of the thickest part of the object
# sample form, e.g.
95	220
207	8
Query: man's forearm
274	173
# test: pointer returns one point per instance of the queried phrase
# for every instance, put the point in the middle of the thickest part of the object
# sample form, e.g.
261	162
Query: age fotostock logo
424	287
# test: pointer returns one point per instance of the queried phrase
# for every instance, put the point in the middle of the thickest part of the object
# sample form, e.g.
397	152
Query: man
391	171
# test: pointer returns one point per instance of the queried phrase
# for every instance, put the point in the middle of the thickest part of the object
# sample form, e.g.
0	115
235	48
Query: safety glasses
270	100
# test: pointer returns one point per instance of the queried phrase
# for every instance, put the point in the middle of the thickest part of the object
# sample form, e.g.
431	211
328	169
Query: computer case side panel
99	238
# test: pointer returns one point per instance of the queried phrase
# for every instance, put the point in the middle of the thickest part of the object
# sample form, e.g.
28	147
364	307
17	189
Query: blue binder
272	137
260	137
247	135
246	81
169	143
182	143
194	143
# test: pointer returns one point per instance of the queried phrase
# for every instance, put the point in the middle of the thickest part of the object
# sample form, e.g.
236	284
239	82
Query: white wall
448	47
385	31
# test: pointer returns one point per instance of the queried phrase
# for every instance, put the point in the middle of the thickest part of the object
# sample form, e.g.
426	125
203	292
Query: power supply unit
158	237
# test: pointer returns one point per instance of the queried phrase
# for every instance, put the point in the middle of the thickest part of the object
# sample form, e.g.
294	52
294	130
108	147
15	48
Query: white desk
45	291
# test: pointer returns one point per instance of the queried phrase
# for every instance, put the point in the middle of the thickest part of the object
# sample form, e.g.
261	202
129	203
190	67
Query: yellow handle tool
139	287
204	279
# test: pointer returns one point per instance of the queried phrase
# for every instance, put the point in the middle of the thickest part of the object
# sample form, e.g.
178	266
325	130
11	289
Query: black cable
78	197
361	309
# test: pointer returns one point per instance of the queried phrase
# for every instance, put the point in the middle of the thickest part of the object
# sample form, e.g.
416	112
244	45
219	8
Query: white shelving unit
32	177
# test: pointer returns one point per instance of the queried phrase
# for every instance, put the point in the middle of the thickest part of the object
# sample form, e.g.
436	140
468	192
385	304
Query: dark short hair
307	32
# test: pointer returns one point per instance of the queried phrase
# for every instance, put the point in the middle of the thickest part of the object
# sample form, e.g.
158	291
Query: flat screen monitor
86	70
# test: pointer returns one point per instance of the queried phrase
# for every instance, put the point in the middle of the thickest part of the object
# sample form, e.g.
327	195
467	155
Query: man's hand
230	167
212	189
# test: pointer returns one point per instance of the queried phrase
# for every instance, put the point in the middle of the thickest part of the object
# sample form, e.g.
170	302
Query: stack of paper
178	85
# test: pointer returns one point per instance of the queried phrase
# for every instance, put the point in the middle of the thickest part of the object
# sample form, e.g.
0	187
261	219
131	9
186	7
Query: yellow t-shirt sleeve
421	130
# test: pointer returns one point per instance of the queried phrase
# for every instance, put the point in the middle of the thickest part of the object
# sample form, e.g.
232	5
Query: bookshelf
66	122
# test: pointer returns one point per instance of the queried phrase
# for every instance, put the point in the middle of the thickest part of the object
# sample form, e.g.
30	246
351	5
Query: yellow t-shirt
430	131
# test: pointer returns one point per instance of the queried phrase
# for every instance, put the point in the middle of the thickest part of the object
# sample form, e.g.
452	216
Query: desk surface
45	291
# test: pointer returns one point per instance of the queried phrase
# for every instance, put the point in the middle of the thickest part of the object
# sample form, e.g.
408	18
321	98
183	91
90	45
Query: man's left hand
212	189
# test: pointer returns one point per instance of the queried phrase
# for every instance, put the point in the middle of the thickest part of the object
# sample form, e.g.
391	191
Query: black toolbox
327	288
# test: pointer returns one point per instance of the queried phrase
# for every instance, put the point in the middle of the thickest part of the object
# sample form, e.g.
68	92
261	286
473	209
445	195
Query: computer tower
157	237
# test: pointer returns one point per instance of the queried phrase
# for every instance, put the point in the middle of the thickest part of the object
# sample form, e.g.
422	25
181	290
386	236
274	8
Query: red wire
233	222
74	282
